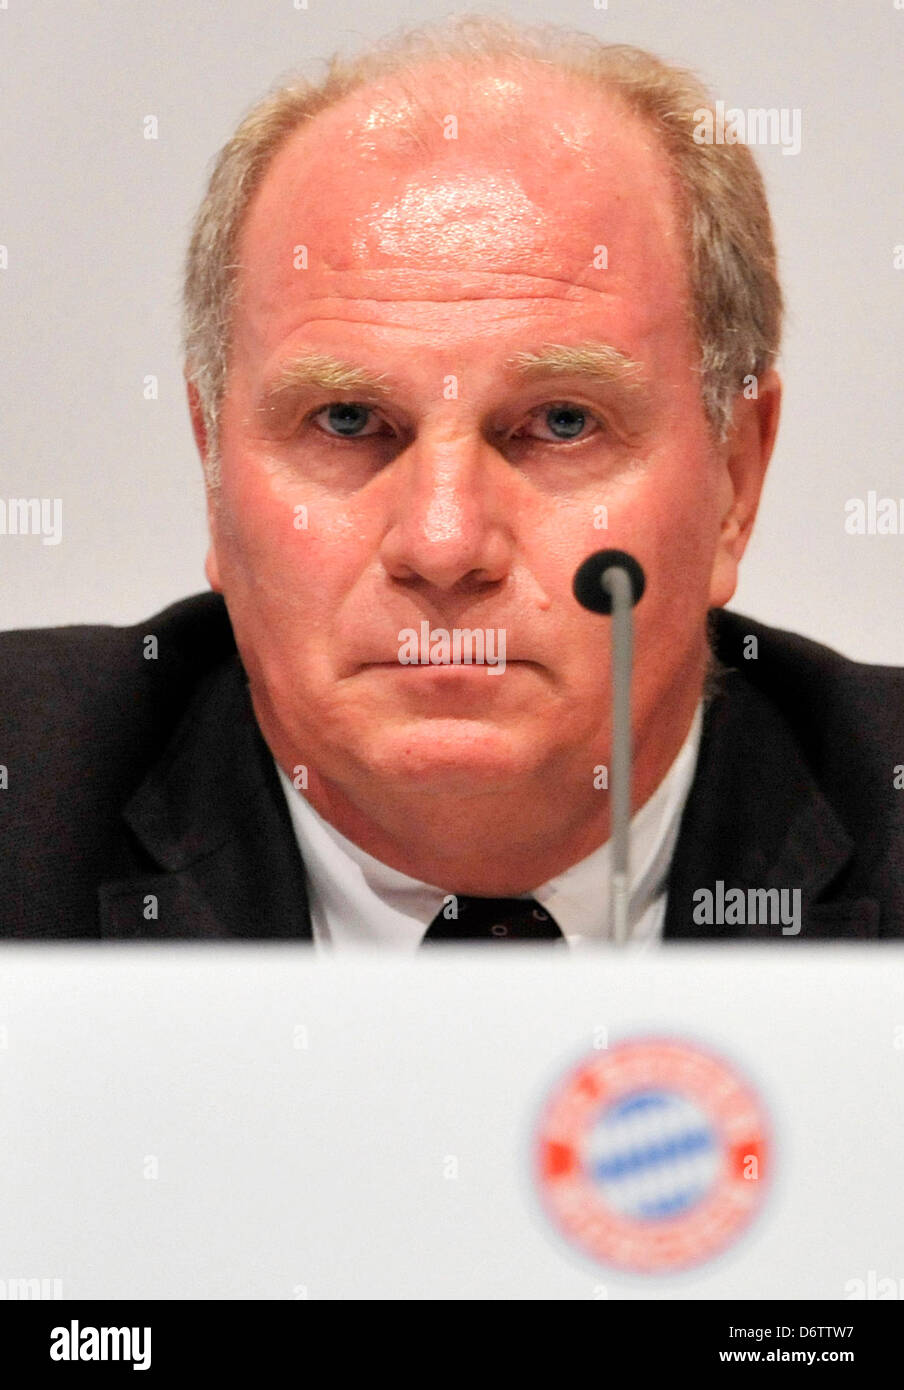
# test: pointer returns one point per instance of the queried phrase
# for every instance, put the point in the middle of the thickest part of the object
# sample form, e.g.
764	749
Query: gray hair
735	294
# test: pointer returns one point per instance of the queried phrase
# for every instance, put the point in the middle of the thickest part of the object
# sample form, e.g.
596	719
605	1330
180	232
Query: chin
455	755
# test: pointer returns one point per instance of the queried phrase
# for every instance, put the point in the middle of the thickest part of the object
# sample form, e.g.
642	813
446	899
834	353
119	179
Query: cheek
663	517
286	566
668	520
287	547
673	512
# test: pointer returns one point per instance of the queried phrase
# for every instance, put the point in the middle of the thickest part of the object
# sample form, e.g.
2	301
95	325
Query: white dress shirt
357	901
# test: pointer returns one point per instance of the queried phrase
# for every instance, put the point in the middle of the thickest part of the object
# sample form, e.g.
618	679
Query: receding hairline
590	359
726	228
419	109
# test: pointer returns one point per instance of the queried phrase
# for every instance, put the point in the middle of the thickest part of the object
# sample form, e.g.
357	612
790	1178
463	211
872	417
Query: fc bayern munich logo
653	1155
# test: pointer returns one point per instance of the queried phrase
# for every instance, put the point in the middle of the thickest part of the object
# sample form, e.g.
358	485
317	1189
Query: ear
212	569
199	429
742	463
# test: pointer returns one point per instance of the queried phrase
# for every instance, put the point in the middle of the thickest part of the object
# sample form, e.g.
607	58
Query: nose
451	514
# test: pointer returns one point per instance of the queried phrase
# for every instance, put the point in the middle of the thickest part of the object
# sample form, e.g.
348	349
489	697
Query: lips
395	664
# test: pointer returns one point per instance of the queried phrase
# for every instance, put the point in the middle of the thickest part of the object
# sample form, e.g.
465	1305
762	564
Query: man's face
458	490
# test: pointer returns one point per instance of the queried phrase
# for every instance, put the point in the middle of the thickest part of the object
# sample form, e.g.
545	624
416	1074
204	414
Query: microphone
611	581
588	586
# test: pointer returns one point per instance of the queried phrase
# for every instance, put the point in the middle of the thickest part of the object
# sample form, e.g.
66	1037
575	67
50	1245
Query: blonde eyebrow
597	360
323	372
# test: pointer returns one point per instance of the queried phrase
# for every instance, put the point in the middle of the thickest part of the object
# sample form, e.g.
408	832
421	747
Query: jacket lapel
756	818
212	818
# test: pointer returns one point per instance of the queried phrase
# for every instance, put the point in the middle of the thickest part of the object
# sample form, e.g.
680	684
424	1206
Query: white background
96	221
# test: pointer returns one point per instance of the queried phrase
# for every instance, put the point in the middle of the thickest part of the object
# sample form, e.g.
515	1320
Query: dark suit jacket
132	779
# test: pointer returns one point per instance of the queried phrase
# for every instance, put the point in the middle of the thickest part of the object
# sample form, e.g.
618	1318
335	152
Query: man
478	305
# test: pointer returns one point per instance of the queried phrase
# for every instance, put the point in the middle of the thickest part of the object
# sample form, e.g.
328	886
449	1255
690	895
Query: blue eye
562	421
348	419
565	421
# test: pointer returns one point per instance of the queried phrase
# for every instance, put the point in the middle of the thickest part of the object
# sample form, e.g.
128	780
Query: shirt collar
578	898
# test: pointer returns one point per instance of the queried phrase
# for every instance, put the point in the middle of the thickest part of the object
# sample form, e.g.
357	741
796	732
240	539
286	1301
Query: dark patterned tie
494	919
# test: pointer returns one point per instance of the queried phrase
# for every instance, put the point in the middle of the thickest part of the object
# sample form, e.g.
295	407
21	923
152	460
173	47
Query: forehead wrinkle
427	288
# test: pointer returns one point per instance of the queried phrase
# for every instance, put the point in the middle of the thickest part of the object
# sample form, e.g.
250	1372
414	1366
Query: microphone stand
616	582
611	582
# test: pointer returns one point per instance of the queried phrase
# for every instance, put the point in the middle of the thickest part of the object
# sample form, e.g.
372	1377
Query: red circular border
573	1201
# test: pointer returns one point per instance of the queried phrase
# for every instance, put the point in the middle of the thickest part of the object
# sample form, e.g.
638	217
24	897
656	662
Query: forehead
491	185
